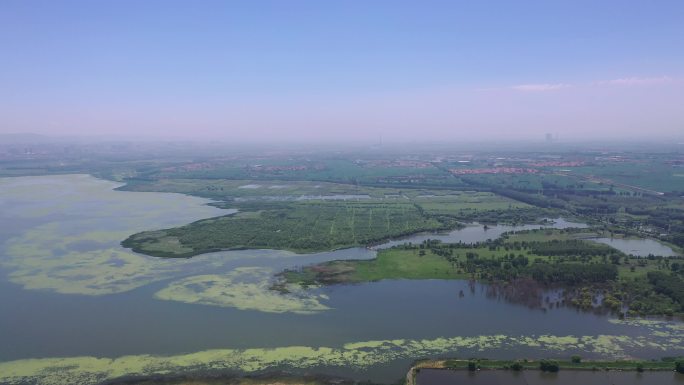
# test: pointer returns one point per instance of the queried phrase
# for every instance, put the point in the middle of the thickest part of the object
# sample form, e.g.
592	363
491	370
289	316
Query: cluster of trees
678	238
679	366
639	297
510	215
510	265
572	273
302	227
669	285
549	366
533	199
571	247
508	268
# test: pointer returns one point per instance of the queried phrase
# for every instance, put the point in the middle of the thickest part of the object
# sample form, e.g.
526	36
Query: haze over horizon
347	71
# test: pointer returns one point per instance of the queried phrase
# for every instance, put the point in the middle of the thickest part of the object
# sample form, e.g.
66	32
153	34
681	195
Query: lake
77	308
479	233
637	247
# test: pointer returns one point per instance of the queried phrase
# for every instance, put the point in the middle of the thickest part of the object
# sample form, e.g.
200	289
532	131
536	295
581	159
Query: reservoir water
480	233
638	247
76	307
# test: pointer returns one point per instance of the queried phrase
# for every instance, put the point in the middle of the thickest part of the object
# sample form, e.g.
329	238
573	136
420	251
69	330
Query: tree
576	359
549	366
679	366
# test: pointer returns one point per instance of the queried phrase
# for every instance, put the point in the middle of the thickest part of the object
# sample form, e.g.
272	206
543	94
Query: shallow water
67	289
480	233
638	247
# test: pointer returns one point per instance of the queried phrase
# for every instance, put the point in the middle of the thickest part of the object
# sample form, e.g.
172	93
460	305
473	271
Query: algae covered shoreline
270	378
286	378
355	359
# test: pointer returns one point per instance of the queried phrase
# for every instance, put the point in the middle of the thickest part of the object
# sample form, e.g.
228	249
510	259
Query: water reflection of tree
523	291
534	295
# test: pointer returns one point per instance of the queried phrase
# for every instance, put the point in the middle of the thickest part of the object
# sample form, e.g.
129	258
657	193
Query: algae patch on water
73	246
69	230
358	355
245	288
44	258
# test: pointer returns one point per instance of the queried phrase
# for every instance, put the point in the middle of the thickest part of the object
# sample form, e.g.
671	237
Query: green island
366	217
298	227
522	264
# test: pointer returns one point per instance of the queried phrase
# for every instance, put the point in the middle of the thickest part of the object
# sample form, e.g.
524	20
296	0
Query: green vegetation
490	261
669	285
363	354
228	190
283	204
395	263
283	220
227	379
595	275
299	227
551	365
249	290
679	366
639	294
472	365
617	198
49	255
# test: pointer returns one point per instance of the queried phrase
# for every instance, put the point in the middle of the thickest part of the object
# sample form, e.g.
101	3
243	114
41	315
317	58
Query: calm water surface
638	247
68	289
479	233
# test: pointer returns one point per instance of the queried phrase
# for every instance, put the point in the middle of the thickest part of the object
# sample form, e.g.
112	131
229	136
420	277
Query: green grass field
389	264
460	202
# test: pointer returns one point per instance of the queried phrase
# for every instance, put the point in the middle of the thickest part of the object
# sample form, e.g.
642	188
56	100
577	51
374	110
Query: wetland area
77	307
341	193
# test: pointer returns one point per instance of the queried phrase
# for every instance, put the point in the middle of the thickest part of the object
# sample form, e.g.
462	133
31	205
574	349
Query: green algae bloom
245	288
71	242
359	355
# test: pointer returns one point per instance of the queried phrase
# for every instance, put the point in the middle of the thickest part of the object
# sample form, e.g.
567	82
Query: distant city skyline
307	71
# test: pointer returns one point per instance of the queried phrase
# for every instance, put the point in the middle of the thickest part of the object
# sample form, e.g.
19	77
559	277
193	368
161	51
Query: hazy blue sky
290	69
